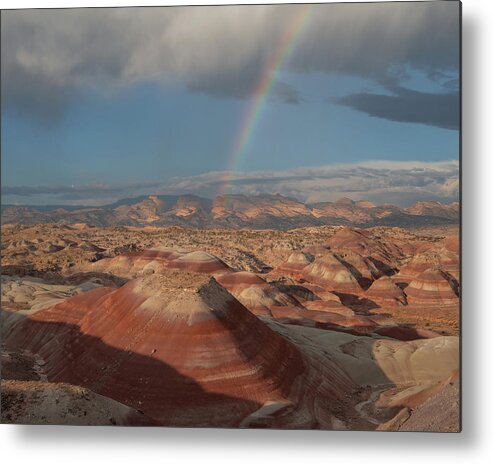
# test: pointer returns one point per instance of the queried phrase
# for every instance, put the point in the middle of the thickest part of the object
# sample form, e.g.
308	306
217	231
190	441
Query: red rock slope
159	259
180	348
432	287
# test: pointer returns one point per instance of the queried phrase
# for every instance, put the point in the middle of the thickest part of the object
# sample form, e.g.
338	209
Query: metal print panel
232	216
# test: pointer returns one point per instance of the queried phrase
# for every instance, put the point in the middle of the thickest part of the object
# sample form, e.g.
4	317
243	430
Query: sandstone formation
254	292
46	403
404	375
449	263
386	292
383	361
262	211
364	269
344	209
306	328
157	259
431	287
315	250
181	349
443	259
330	302
362	242
434	209
329	272
296	262
32	294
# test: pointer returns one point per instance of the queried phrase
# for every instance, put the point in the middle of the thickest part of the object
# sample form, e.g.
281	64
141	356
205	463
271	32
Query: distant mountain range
234	211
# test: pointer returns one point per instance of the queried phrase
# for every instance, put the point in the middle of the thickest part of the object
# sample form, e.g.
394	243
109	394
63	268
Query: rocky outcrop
46	403
435	209
262	211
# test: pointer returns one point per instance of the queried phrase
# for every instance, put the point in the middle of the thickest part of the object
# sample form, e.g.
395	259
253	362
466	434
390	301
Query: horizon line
149	195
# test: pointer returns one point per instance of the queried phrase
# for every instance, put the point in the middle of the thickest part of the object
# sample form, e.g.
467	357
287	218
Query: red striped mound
385	292
185	352
351	323
449	263
238	281
360	241
431	287
332	305
198	261
418	264
329	272
131	265
442	259
363	268
254	292
316	250
329	302
295	263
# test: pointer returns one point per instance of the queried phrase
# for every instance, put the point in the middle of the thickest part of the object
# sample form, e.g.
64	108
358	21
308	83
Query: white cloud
397	182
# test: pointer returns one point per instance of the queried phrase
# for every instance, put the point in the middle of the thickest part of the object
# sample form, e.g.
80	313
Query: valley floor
320	327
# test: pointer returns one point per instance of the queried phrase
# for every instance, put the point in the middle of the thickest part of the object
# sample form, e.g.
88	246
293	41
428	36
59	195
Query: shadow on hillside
355	302
140	381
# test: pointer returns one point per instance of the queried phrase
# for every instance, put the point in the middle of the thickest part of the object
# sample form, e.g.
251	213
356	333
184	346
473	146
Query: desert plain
320	327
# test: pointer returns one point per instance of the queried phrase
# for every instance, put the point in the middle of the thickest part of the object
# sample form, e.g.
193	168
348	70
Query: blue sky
101	125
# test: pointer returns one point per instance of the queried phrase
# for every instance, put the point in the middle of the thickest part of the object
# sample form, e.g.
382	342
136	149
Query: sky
310	101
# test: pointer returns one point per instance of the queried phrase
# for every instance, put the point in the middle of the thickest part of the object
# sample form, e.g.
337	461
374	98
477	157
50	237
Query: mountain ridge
264	211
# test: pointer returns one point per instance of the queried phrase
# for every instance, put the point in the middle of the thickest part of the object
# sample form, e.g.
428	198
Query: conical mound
433	287
331	273
180	348
198	261
385	291
362	268
254	292
295	263
443	259
159	259
360	241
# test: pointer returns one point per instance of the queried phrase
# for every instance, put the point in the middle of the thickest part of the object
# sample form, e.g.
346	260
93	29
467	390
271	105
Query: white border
19	444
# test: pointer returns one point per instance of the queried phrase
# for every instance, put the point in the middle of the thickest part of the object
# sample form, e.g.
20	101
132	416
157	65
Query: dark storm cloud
440	110
49	56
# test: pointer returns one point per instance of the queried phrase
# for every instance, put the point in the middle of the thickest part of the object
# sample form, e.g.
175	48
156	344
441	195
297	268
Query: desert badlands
318	326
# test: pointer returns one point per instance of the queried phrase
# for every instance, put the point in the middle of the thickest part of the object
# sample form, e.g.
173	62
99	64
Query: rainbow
269	75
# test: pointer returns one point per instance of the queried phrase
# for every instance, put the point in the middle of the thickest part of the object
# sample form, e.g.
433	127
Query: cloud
91	194
286	93
405	105
50	56
396	182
